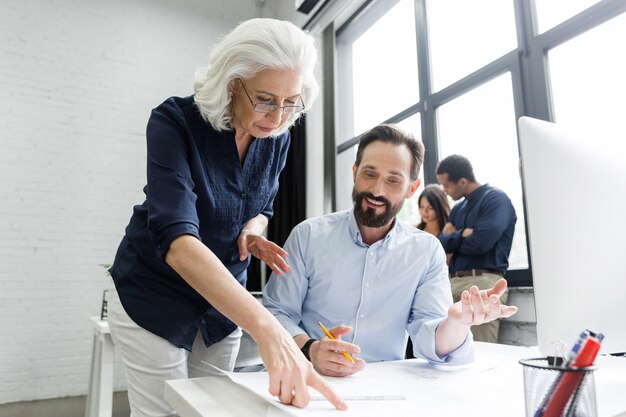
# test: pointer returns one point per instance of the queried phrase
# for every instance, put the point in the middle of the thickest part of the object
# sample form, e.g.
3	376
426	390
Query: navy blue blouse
198	186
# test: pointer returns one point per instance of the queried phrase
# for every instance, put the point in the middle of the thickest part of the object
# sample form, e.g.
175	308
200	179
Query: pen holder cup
555	391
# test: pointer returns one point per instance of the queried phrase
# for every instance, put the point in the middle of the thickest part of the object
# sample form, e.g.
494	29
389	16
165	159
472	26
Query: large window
588	84
481	126
466	35
379	60
386	51
458	75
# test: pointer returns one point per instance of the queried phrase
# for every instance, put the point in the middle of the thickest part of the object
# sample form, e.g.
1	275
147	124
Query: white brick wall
78	79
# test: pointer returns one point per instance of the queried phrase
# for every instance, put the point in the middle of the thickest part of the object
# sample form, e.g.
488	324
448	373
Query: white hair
254	45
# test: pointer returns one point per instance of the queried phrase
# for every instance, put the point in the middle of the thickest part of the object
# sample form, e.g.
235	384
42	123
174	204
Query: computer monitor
575	191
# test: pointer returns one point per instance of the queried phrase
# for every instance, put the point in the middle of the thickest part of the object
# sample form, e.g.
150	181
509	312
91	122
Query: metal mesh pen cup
555	391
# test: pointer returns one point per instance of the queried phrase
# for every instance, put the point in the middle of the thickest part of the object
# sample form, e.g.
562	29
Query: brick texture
78	79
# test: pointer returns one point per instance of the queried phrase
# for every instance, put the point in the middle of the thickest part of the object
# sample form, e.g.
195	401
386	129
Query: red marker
569	382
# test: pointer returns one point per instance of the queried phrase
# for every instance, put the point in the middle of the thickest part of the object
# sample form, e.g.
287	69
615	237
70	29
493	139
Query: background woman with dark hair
434	209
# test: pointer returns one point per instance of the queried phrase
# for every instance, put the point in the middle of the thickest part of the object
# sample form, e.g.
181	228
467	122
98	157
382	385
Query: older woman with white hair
213	164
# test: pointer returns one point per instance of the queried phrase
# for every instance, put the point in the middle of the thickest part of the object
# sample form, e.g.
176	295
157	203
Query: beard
368	217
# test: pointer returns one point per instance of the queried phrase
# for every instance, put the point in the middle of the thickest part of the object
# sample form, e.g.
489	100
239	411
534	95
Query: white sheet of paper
425	388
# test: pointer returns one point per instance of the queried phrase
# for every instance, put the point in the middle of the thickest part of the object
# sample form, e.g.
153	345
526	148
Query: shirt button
367	284
362	316
243	196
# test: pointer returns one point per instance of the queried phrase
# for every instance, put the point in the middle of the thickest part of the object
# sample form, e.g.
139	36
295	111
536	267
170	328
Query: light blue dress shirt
396	285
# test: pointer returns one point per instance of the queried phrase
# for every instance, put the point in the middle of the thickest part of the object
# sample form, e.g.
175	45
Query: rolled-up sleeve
430	307
169	193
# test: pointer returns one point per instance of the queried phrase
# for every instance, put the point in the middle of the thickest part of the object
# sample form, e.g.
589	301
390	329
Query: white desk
100	395
492	386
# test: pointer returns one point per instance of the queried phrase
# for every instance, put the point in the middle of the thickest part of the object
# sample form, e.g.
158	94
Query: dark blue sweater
489	212
196	186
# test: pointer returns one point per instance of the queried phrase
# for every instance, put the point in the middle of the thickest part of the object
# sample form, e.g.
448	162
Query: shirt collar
477	192
355	233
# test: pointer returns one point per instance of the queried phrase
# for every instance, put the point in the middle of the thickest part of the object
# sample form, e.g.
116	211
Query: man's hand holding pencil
334	357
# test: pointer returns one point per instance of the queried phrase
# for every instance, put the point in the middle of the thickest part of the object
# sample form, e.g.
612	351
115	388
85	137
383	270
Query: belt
474	272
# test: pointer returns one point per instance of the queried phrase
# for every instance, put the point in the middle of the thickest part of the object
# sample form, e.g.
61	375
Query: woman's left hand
267	251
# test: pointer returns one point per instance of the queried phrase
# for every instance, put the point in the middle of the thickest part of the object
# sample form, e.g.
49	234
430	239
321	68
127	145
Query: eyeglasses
268	108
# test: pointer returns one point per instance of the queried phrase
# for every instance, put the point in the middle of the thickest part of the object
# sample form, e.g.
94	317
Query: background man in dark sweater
478	235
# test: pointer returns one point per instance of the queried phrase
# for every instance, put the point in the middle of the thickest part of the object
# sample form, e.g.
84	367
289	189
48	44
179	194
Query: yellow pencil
330	336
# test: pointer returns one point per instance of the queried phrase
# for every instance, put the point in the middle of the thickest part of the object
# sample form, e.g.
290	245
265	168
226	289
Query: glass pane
412	125
481	126
588	84
384	62
550	13
466	35
344	181
410	210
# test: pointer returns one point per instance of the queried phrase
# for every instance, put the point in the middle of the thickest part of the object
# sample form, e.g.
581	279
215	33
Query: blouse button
243	196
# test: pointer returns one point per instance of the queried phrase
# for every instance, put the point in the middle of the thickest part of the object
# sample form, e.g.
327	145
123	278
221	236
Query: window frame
527	65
